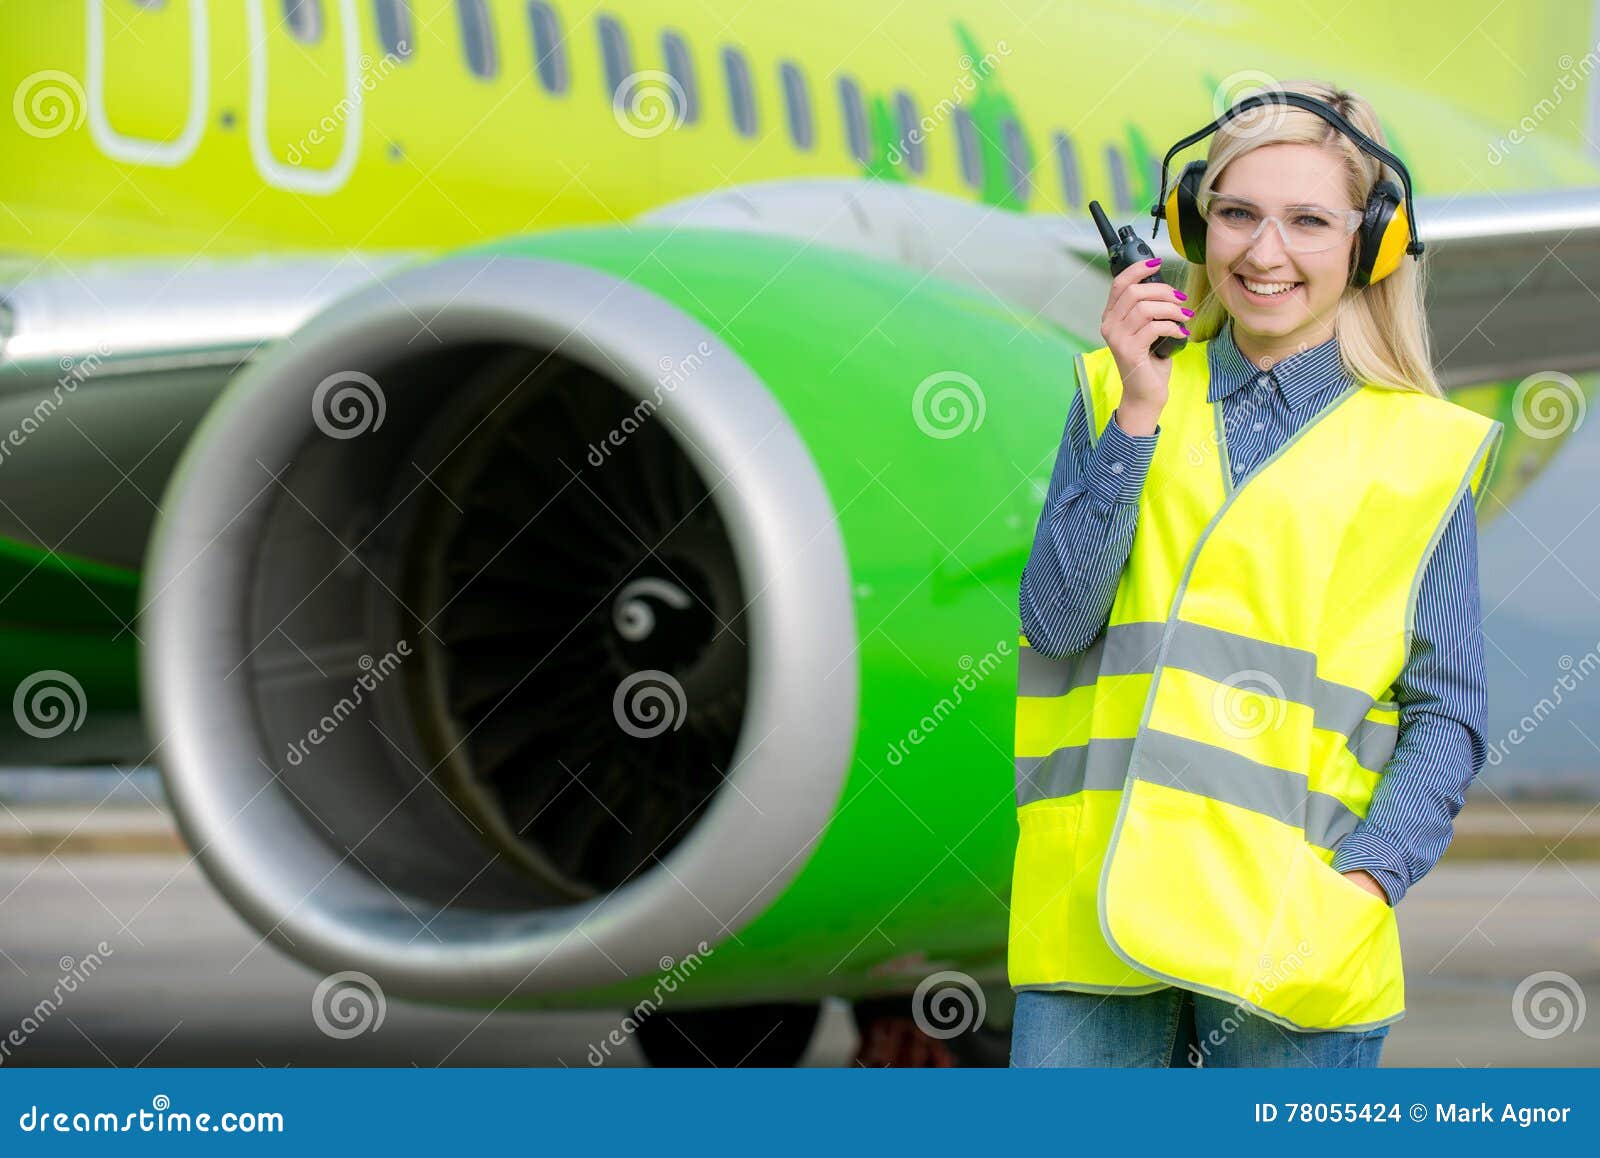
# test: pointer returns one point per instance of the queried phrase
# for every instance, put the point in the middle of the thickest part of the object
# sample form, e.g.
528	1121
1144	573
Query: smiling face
1275	177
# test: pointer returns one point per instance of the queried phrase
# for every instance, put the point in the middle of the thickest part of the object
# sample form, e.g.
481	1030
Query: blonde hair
1382	328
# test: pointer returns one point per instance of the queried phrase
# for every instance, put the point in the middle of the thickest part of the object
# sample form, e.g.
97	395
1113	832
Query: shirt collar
1316	373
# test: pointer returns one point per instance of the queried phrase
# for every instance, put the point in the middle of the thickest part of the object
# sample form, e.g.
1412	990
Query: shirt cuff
1116	470
1364	849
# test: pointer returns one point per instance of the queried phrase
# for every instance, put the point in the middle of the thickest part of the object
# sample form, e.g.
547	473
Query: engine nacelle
539	614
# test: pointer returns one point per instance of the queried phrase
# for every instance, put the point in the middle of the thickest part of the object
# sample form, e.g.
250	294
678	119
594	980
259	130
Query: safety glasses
1304	228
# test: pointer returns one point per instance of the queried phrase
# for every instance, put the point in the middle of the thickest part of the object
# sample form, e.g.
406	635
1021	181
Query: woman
1253	691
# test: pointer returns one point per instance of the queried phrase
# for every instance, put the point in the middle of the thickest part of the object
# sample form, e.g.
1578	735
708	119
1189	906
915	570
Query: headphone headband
1311	104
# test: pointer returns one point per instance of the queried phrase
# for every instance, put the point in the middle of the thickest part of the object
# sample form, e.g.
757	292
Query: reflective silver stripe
1223	656
1194	767
1101	764
1222	775
1372	743
1122	649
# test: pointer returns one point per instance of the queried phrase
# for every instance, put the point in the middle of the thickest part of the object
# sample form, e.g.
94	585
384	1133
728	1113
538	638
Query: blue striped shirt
1087	528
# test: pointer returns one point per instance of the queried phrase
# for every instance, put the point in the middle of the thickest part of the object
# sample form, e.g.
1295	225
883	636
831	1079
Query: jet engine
542	618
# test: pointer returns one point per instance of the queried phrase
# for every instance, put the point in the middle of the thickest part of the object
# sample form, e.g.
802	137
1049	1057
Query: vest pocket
1332	958
1234	902
1360	892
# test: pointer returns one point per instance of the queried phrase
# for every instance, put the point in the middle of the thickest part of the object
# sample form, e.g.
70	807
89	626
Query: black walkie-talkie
1124	248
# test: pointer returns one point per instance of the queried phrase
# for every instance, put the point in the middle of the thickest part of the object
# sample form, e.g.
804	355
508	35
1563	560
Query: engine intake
500	635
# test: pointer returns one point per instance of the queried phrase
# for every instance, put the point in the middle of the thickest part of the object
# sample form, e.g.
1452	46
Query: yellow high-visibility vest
1182	783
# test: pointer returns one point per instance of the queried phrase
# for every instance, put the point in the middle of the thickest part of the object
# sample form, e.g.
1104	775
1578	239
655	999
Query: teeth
1269	287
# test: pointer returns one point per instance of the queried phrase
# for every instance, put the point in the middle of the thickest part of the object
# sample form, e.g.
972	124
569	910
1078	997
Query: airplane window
967	145
1016	159
910	142
855	119
798	105
394	27
549	49
1120	197
740	94
1067	159
304	18
681	66
477	37
614	55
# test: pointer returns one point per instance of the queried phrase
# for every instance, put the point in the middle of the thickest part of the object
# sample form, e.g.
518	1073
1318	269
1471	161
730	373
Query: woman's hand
1135	316
1367	881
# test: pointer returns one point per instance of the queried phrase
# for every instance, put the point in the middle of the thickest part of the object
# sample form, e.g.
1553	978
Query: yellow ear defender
1387	231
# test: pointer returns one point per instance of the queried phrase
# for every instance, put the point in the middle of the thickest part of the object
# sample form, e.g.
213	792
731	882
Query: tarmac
1501	943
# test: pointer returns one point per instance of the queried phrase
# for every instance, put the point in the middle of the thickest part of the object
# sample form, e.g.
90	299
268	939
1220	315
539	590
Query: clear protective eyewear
1304	228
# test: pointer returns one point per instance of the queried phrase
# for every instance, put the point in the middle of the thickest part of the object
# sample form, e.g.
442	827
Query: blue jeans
1171	1027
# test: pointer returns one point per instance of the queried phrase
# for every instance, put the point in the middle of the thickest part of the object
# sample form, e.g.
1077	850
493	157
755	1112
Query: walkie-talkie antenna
1108	232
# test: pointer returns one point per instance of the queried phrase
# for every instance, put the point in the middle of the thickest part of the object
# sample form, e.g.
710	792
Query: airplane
331	338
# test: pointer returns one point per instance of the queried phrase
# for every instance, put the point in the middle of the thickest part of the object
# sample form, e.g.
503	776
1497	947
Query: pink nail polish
1185	330
1187	312
1180	295
1154	261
